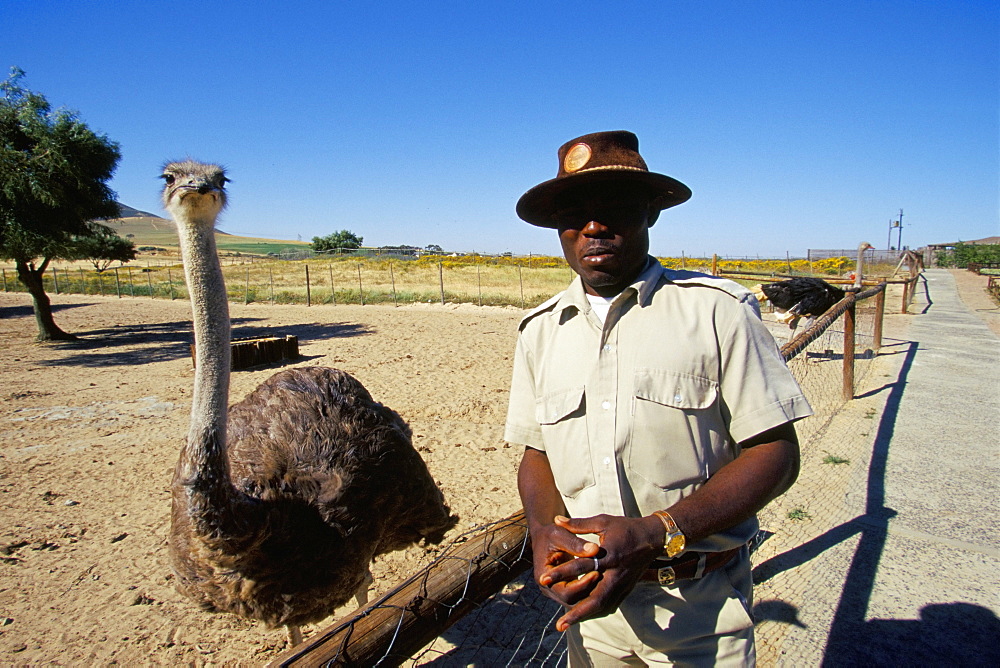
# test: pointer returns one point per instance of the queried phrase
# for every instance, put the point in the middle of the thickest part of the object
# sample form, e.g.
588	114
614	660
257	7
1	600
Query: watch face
675	544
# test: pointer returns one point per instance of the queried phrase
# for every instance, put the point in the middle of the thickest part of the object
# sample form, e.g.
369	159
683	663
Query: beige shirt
638	413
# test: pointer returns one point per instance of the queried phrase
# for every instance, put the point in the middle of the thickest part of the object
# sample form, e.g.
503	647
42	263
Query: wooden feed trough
261	350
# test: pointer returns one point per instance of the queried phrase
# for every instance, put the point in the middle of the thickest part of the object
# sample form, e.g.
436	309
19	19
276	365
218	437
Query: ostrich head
194	191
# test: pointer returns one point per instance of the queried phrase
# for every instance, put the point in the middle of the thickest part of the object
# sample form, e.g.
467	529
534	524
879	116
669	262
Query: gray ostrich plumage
280	503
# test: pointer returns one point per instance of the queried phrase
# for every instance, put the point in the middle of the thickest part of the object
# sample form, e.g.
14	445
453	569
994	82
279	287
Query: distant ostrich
859	265
280	519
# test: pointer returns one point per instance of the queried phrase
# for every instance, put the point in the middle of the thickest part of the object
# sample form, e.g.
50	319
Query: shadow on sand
134	345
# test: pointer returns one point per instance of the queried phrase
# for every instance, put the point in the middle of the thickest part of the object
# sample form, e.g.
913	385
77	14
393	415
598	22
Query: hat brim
538	205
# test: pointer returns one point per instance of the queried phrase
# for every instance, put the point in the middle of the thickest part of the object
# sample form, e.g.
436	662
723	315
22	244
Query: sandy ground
90	431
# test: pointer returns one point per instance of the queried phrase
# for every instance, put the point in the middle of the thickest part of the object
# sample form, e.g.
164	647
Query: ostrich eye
169	178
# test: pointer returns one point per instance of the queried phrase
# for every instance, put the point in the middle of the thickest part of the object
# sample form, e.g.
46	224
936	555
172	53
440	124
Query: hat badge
577	157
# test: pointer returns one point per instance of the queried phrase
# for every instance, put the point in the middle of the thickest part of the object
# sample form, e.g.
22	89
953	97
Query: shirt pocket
562	418
675	428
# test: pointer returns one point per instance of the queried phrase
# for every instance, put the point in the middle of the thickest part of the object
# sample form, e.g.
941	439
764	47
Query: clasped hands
565	563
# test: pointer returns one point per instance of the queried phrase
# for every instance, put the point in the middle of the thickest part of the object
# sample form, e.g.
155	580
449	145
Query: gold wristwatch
674	542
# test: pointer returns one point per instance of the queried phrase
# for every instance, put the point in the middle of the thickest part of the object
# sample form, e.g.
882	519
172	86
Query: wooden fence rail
390	630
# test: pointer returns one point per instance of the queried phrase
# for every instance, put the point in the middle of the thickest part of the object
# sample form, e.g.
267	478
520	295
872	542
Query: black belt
688	566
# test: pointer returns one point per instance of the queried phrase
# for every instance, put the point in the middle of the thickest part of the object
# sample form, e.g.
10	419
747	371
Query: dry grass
523	281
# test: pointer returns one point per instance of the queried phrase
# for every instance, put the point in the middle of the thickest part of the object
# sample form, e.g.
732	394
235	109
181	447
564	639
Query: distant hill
129	212
147	229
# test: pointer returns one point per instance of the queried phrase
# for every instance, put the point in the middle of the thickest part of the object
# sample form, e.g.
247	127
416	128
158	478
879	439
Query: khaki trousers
703	622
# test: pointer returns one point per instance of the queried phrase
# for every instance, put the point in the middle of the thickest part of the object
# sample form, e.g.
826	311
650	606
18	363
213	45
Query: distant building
931	250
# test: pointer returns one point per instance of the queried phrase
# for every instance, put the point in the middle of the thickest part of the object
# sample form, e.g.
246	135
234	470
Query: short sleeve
522	427
757	388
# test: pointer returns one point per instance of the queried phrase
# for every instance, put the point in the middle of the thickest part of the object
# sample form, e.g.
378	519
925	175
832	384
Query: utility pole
899	239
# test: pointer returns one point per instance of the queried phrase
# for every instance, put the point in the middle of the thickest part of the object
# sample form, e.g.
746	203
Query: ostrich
799	296
279	517
862	247
806	296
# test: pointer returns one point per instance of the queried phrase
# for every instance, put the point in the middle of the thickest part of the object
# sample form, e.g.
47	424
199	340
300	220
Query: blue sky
796	124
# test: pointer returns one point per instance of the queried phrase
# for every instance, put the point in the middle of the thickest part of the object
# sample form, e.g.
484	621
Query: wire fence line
446	615
521	281
330	282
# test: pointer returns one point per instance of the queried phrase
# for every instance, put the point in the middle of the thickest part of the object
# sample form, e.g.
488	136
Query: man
657	413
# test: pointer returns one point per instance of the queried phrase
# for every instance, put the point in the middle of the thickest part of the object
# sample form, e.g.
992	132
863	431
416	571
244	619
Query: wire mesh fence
486	280
449	614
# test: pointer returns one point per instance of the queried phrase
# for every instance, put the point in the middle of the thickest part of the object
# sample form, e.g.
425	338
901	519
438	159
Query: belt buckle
665	576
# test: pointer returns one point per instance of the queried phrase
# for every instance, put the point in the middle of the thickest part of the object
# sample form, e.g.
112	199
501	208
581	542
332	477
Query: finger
580	525
570	543
587	608
556	557
569	593
570	570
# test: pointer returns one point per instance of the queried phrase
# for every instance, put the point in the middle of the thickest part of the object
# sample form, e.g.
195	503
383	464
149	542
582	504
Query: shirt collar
643	286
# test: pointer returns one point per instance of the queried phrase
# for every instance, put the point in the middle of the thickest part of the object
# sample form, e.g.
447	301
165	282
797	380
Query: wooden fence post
479	282
308	291
55	279
100	282
520	282
441	280
333	290
246	288
270	274
131	285
149	280
392	277
170	284
4	271
118	284
879	317
361	290
715	264
849	321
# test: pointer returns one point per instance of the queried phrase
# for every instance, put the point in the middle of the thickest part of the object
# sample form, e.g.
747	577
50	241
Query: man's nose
595	228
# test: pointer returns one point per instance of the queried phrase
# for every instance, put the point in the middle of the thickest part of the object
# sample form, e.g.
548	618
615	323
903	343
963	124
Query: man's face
605	235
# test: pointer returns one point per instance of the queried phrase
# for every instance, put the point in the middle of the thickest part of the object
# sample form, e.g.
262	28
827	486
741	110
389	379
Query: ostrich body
278	515
801	296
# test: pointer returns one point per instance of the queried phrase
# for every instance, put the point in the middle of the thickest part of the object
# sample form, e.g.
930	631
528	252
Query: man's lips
596	253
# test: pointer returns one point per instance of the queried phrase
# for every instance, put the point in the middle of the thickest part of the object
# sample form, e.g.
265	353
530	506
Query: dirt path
972	291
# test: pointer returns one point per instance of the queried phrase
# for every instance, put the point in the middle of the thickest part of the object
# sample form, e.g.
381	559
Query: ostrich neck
858	267
205	452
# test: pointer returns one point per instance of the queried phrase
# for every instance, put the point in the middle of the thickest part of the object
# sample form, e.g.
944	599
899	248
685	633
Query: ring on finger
597	564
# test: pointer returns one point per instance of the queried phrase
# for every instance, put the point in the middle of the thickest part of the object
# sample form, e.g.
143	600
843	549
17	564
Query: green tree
336	241
103	247
53	183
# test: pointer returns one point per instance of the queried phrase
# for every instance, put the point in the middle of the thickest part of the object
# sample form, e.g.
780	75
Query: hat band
612	167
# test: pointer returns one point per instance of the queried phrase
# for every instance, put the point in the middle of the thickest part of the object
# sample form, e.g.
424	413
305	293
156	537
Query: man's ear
652	213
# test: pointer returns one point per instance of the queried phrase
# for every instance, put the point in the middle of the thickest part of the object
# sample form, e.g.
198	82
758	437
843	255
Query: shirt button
607	462
607	347
677	398
606	405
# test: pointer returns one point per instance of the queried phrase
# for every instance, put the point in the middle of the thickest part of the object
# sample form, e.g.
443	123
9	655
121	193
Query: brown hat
601	157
